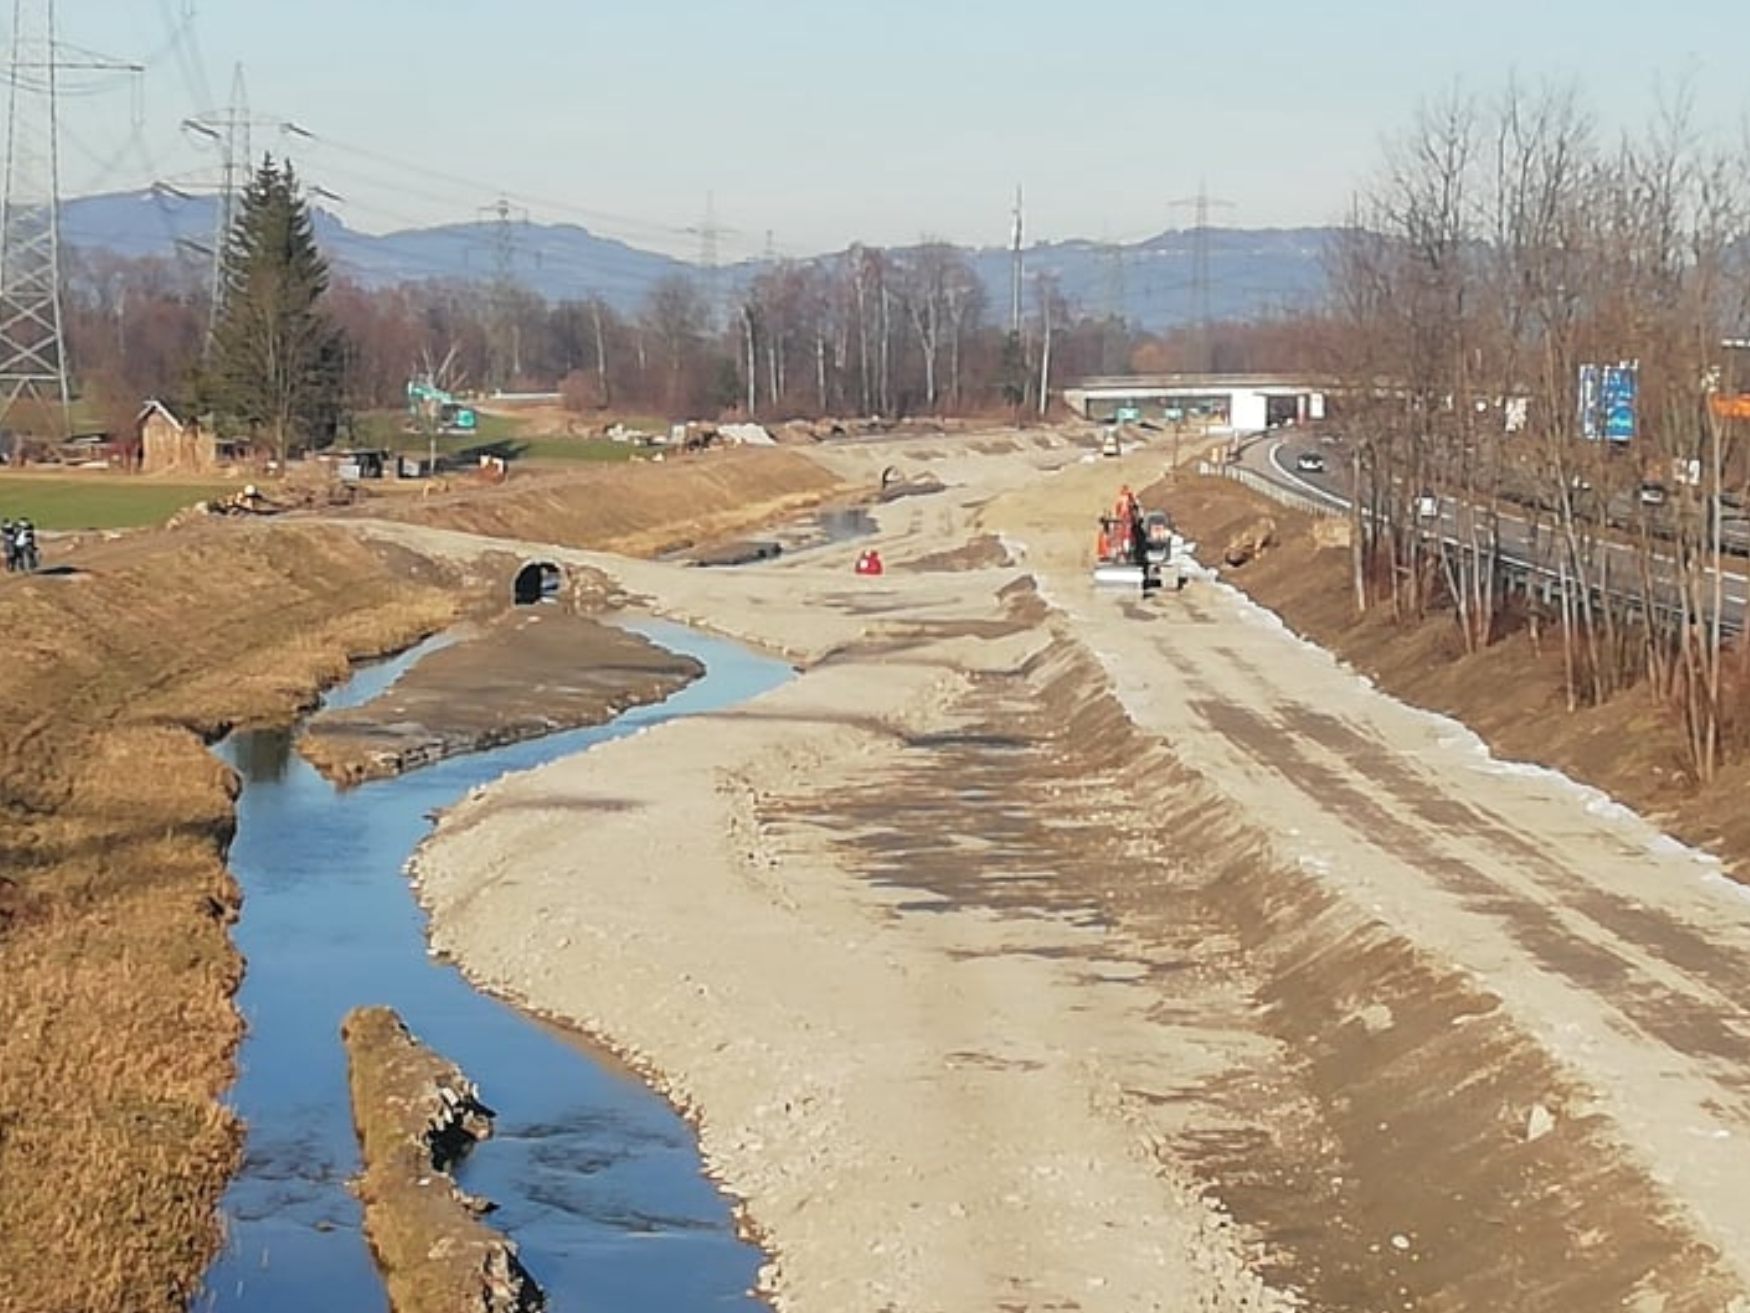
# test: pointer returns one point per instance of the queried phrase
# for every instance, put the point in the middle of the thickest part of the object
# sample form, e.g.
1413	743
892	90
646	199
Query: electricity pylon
230	132
33	347
1202	281
33	344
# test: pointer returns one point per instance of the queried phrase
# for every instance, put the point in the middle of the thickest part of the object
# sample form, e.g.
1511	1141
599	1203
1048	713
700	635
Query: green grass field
98	501
497	434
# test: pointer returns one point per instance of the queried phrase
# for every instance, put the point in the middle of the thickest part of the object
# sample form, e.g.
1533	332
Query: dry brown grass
1511	693
642	509
113	943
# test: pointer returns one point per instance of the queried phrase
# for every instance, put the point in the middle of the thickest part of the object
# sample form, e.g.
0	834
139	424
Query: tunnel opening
537	582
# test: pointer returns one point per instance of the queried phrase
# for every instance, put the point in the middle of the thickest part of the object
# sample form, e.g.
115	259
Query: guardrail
1290	497
1531	579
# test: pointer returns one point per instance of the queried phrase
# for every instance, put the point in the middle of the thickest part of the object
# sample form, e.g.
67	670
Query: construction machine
425	399
1136	549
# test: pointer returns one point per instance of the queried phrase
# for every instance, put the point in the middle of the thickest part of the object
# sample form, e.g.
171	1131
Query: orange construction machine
1134	546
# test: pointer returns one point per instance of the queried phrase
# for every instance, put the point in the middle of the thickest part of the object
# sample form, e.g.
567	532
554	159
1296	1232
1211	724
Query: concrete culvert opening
536	582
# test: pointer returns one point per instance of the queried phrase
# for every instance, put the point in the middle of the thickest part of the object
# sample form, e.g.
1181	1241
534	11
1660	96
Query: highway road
1524	544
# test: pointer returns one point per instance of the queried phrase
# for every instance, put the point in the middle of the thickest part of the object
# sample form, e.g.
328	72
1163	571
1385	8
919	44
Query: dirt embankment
417	1114
521	675
114	902
1511	693
1373	1120
641	509
1385	1130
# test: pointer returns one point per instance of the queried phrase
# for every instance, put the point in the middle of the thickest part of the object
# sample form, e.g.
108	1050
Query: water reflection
261	756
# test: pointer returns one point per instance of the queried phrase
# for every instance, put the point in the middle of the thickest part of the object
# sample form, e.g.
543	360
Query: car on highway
1310	462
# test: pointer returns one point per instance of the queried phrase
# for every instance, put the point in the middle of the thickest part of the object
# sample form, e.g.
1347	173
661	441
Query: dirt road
1040	950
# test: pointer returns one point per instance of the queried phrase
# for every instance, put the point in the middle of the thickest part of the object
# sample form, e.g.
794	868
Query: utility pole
33	344
1016	269
1202	283
1047	294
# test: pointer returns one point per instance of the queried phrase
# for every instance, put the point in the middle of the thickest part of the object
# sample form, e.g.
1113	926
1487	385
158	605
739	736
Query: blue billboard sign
1609	400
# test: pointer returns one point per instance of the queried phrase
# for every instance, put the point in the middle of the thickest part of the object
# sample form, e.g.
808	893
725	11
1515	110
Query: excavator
1136	548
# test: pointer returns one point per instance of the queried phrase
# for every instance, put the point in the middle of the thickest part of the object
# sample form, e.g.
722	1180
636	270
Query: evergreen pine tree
277	360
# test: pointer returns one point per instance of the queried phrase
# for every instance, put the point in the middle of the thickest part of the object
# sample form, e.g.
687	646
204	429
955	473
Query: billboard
1608	398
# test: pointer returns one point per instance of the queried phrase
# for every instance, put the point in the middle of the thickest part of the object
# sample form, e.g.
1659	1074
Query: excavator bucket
1112	575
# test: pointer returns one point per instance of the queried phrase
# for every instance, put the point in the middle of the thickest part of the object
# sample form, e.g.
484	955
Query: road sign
1608	399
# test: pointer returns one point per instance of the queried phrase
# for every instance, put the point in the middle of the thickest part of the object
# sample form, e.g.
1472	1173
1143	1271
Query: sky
821	122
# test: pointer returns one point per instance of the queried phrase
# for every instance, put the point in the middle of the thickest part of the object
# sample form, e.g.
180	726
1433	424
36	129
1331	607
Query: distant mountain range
1151	283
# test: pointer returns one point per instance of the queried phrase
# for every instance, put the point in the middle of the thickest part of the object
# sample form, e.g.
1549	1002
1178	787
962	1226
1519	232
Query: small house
169	444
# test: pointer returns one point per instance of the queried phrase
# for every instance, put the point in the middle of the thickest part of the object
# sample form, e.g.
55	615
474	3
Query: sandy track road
1623	953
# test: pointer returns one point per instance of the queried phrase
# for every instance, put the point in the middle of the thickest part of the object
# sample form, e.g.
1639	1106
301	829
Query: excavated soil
985	552
1381	1129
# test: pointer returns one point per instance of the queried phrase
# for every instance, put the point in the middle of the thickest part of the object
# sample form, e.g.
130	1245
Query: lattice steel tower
33	347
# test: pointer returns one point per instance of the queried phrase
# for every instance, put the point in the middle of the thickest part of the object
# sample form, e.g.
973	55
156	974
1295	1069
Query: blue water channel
599	1182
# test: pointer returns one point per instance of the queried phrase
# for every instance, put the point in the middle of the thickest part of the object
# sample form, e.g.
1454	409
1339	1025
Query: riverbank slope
114	898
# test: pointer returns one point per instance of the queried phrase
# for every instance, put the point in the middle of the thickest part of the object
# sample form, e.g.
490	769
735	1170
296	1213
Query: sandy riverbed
514	676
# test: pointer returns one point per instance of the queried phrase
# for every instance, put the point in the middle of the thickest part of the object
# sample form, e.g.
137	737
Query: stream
598	1180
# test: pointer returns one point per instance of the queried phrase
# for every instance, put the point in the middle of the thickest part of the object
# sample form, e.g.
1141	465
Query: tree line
867	332
1505	246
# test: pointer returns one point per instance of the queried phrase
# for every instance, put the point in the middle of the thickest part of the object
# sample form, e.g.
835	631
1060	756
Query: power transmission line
1202	283
1113	329
33	344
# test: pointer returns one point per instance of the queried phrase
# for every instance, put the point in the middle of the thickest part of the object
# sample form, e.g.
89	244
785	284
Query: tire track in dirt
1319	1125
1650	1053
1669	980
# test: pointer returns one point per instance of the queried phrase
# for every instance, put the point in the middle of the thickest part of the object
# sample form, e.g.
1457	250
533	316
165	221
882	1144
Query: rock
1539	1124
1375	1018
1332	531
1251	542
